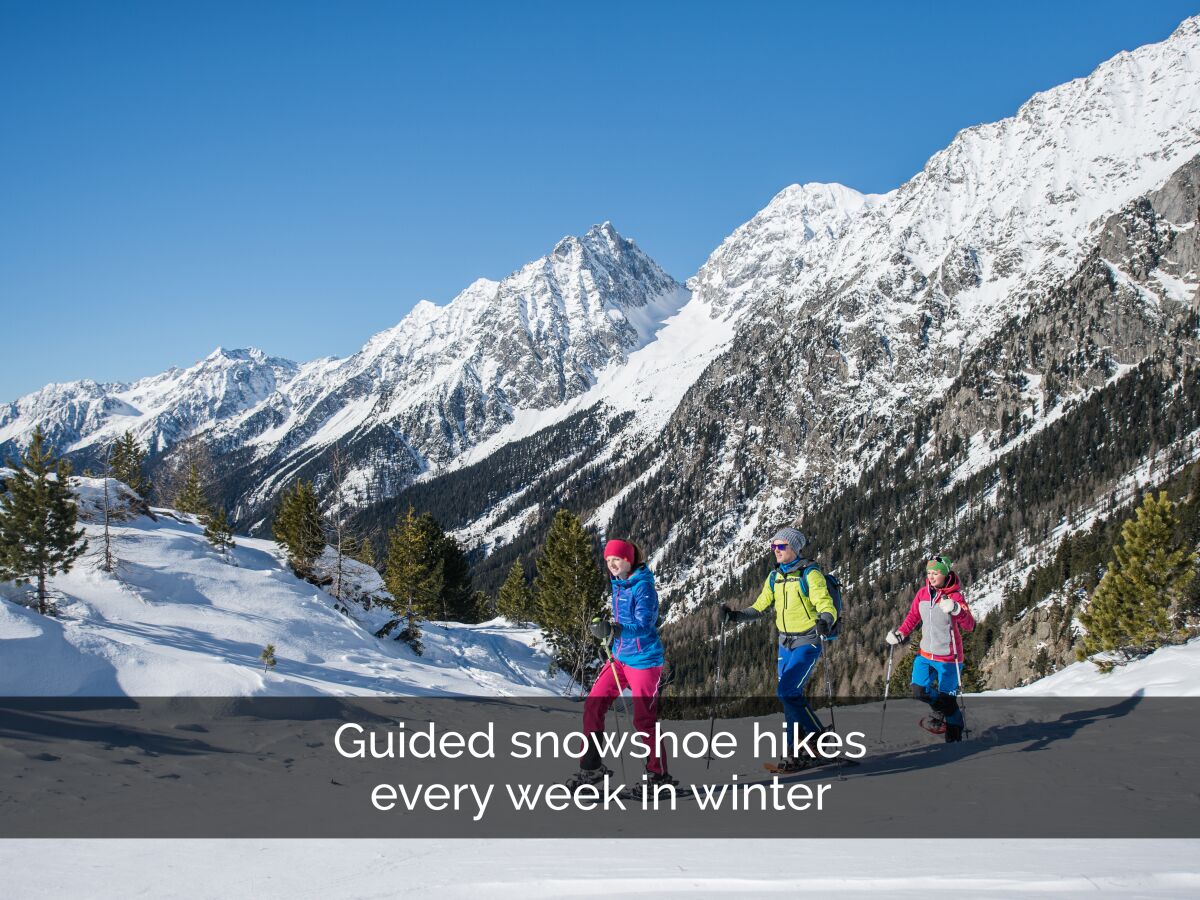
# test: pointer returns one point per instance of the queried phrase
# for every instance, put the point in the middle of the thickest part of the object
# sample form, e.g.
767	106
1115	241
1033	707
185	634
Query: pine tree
515	601
219	533
267	657
191	498
297	528
1137	604
127	460
458	593
364	552
570	591
415	568
38	538
483	607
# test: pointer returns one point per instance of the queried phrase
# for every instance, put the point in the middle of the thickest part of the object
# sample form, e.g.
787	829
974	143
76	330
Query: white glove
948	606
894	638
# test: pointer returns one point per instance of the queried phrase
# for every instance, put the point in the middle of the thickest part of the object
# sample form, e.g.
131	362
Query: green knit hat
939	564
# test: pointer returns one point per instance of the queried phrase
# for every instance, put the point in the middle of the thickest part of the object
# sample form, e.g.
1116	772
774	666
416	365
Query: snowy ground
1168	672
179	619
501	869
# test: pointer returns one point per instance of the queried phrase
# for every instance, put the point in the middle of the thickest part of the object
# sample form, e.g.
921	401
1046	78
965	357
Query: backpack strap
804	578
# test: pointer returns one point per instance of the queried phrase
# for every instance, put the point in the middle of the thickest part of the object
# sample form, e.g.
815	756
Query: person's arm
755	611
819	596
760	606
964	619
645	612
913	619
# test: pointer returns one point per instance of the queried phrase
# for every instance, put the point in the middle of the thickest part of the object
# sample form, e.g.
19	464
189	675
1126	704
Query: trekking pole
621	696
962	709
829	694
712	712
887	684
828	683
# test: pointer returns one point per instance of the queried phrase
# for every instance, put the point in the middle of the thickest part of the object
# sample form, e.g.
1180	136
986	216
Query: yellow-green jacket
795	613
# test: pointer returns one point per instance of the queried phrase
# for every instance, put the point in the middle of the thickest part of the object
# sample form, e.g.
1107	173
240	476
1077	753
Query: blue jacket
635	609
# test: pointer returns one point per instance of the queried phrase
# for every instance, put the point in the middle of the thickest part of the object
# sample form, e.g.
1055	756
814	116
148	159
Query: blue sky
295	176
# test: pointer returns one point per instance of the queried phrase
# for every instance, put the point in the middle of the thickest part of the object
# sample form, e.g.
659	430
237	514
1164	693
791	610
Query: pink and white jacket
941	633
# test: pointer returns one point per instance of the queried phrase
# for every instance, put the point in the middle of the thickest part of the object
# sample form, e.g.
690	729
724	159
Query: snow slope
177	619
1167	672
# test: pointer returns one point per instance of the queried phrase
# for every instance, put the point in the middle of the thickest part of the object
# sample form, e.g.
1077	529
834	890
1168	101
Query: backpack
835	592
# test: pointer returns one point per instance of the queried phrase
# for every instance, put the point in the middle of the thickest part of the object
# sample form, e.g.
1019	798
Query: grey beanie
793	537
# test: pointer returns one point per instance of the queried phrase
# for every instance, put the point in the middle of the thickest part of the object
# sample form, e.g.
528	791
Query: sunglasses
779	546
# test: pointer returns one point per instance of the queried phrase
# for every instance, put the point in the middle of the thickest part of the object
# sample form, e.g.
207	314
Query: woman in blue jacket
636	661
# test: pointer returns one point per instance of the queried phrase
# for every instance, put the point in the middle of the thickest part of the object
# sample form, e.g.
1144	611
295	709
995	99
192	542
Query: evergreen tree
219	533
38	538
458	593
415	568
297	528
483	606
516	601
267	657
127	461
1136	606
570	591
364	552
191	498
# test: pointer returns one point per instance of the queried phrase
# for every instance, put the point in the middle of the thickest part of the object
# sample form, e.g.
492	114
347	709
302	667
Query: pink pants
644	684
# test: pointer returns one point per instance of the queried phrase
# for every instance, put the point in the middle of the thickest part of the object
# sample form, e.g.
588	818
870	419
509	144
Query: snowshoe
647	786
588	776
789	764
934	724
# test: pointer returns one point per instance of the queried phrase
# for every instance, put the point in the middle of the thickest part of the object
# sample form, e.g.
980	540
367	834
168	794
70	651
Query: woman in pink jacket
942	613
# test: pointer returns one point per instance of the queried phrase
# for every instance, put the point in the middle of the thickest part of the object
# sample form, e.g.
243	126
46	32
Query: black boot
643	791
588	776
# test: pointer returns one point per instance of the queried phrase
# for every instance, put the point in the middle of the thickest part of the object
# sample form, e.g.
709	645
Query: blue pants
937	684
795	668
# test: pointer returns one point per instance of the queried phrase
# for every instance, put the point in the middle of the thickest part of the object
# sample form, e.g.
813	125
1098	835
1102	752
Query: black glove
605	631
728	614
824	625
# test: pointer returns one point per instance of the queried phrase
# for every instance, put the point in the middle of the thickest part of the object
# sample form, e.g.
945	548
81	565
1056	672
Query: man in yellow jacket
804	614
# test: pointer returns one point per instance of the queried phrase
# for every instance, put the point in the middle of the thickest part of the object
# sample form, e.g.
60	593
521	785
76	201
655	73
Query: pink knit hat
622	549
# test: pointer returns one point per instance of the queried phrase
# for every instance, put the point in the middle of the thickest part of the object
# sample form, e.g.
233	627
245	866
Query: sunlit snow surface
528	869
1168	672
178	619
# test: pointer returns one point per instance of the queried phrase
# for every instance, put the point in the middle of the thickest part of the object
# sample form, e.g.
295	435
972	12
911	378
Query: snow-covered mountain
883	321
840	317
412	399
795	231
160	409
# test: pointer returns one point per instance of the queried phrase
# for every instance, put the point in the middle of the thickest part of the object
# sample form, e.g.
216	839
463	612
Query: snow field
177	619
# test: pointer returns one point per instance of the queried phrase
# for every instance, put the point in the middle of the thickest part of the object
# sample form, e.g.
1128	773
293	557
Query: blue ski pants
795	668
937	684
